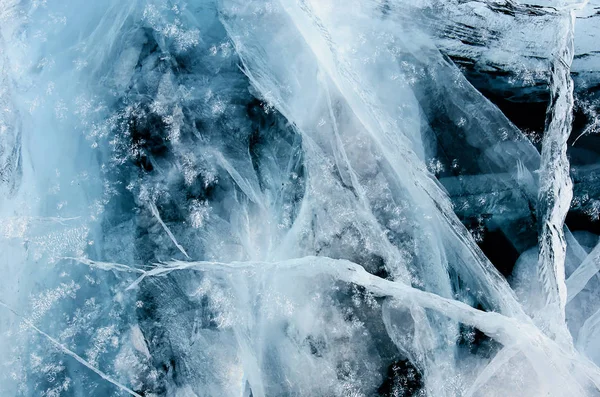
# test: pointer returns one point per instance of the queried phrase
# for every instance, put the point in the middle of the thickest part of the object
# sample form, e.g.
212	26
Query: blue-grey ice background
299	198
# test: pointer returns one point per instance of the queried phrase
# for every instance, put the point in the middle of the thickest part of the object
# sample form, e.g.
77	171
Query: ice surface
280	198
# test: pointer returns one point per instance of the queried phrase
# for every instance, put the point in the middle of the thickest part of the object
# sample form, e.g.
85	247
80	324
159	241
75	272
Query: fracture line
105	265
69	352
166	228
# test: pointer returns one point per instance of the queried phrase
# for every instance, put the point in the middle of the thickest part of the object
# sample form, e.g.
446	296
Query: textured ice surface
299	198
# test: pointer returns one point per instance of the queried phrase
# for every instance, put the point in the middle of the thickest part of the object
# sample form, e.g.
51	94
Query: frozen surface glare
299	198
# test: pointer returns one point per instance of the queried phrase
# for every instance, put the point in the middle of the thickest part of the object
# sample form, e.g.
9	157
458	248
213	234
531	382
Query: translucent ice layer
299	198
